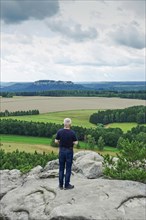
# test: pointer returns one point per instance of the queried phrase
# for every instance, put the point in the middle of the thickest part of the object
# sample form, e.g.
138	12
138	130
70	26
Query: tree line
110	136
140	94
24	161
132	114
7	113
136	133
38	129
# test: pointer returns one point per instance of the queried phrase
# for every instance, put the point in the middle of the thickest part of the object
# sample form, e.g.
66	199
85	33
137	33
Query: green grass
125	126
79	117
24	139
83	145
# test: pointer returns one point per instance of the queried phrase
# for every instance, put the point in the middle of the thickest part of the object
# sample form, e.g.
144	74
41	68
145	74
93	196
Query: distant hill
42	85
115	86
4	84
46	85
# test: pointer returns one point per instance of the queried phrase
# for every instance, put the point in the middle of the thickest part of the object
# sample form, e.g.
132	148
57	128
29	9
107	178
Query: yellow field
31	148
40	148
55	104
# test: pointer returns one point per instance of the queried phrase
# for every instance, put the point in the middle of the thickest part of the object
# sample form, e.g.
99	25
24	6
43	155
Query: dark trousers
65	160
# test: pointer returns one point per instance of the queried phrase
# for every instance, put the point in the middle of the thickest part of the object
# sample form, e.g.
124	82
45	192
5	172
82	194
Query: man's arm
75	141
57	138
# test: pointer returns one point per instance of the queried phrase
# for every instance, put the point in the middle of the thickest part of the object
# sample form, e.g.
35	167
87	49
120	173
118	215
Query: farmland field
57	104
29	148
79	117
125	126
26	143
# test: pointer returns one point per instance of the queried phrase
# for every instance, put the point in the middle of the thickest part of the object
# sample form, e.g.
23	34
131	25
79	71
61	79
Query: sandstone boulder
36	195
9	180
52	165
92	199
88	163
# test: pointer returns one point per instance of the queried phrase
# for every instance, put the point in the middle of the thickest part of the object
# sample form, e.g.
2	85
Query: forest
40	129
132	114
134	94
7	113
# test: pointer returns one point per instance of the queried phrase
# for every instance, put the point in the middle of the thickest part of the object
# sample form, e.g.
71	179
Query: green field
29	144
79	117
125	126
24	139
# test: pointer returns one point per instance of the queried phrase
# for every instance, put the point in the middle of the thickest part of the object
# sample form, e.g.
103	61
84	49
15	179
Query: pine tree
101	143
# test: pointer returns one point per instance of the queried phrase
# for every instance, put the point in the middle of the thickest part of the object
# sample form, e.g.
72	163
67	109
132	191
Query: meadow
79	118
31	144
125	126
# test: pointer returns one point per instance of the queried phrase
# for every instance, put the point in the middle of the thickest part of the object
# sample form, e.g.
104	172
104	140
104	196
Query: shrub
24	161
90	140
131	163
53	144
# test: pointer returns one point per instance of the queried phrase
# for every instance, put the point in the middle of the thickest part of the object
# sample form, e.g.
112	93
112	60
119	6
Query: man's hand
75	142
57	141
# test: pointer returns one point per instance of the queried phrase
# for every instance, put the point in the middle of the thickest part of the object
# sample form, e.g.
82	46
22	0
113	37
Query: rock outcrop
36	196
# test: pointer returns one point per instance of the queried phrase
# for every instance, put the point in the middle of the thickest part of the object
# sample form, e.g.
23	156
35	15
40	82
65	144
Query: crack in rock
72	201
48	189
129	198
68	218
22	212
3	194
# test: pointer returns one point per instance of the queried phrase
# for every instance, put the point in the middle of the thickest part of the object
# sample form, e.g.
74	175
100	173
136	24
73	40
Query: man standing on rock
66	138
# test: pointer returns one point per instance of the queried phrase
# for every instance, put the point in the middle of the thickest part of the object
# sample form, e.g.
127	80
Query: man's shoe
61	187
69	187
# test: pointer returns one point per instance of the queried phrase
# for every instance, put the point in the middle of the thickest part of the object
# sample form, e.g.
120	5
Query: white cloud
83	41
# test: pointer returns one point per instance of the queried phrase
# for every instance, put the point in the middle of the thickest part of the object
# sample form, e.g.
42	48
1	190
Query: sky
86	40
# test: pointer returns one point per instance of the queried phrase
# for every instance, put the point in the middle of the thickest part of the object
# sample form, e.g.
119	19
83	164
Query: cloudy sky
86	40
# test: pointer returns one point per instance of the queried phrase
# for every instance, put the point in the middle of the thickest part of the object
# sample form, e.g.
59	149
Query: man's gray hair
67	121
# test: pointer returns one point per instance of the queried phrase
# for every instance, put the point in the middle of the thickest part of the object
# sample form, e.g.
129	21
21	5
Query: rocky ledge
36	196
